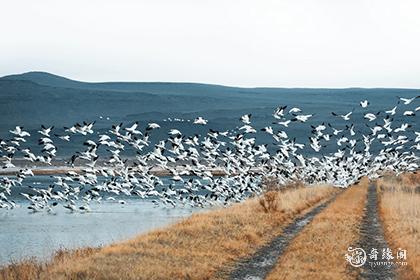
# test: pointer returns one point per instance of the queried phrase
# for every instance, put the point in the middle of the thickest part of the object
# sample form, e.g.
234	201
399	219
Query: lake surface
24	234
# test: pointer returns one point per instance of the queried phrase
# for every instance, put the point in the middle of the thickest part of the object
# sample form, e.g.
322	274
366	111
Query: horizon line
198	83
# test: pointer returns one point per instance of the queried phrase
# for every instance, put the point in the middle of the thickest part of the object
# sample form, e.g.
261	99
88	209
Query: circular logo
356	257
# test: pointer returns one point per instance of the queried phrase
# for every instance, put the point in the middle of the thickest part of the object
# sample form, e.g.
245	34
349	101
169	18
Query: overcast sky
285	43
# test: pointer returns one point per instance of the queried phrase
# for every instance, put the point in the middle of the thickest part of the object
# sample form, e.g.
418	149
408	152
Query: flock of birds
219	167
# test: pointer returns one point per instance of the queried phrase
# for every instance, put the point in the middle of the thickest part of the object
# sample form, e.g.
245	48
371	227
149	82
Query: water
38	235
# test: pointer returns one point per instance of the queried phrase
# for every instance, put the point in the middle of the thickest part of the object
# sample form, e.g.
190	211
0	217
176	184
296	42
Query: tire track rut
263	261
372	236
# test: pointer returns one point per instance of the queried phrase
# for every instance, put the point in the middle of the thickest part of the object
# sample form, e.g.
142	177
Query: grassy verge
195	248
399	208
32	269
318	251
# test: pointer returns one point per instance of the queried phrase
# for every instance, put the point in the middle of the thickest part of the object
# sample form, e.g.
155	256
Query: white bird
282	134
246	119
345	117
302	118
370	116
279	112
409	113
295	110
201	121
268	129
392	111
285	123
132	129
19	132
174	132
337	131
402	128
364	103
45	130
63	137
248	129
407	101
151	126
417	136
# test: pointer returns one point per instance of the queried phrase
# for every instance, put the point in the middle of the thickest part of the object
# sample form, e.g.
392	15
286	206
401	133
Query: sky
281	43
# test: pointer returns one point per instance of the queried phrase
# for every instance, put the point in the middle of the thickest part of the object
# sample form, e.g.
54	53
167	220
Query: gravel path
262	262
372	236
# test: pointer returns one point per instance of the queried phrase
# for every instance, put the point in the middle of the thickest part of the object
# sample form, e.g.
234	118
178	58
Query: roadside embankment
399	209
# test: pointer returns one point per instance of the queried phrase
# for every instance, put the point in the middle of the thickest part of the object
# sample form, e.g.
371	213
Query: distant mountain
48	79
44	78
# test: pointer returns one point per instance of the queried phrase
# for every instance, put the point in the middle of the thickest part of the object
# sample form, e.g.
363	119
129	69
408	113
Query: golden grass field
400	212
209	244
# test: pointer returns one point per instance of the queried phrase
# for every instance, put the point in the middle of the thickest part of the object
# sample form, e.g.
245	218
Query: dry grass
409	183
400	214
33	269
318	251
196	248
269	202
